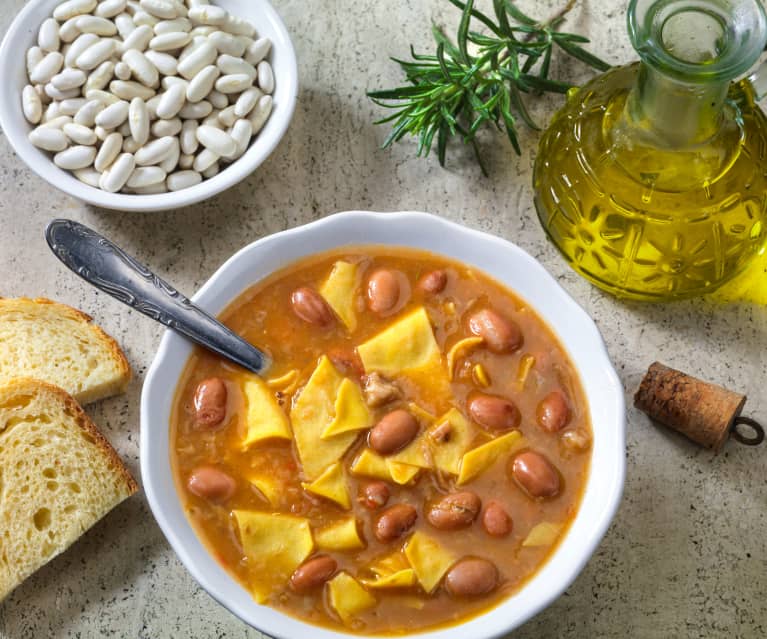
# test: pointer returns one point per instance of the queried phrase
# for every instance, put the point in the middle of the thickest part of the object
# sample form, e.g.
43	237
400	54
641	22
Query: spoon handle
110	269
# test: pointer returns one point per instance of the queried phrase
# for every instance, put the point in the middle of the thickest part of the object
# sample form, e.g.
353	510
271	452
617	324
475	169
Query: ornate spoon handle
110	269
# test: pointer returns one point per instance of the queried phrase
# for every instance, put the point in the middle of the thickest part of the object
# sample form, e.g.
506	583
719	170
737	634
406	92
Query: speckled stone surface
685	556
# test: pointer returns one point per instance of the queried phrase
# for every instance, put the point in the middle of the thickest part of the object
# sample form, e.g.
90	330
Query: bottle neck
672	114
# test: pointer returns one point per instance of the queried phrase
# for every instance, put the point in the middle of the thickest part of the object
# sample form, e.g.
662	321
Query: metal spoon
101	263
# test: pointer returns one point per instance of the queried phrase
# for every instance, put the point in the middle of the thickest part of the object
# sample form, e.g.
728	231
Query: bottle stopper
703	412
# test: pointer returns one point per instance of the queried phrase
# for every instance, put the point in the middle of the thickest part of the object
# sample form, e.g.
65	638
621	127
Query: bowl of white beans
146	105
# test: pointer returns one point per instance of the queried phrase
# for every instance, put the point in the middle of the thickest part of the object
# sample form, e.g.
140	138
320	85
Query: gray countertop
685	556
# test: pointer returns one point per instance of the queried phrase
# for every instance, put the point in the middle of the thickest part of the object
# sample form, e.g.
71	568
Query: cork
701	411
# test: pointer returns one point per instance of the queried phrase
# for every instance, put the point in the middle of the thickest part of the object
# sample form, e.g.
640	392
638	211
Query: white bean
55	122
125	25
72	106
104	97
258	50
160	8
168	82
218	100
185	161
88	112
144	18
183	180
75	157
79	46
172	102
260	113
110	9
69	79
227	117
124	128
128	89
57	94
229	64
87	176
234	83
154	152
227	43
169	41
97	53
79	134
138	39
31	104
241	133
138	120
142	67
35	55
49	66
101	76
246	102
203	30
68	31
101	133
238	26
188	137
130	145
204	160
170	163
153	189
114	115
48	35
164	62
146	176
171	26
94	24
72	8
212	120
211	171
115	178
110	149
123	71
208	14
151	107
202	83
48	138
265	77
161	128
218	141
201	57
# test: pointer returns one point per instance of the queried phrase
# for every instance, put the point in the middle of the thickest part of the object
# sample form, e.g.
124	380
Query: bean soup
414	455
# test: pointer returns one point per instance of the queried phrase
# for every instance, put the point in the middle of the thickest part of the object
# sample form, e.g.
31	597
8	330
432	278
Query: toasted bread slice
60	345
58	477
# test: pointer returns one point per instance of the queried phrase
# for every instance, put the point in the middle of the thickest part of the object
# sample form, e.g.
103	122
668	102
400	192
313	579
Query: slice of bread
58	477
60	345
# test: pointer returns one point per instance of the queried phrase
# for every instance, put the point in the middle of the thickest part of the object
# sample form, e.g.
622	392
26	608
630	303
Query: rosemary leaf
460	89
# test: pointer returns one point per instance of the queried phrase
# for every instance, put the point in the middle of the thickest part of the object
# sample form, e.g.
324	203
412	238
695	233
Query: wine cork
701	411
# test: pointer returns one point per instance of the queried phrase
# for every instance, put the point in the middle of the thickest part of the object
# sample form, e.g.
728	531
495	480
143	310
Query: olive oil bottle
652	180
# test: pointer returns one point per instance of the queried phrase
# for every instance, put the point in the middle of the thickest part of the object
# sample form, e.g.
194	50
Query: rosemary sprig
457	90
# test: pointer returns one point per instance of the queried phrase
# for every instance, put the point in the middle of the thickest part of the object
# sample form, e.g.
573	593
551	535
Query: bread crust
29	304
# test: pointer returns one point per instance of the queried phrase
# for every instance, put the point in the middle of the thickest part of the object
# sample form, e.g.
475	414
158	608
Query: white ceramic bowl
22	34
501	260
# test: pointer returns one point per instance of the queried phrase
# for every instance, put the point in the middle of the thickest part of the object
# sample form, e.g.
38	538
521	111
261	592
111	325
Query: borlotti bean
146	96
